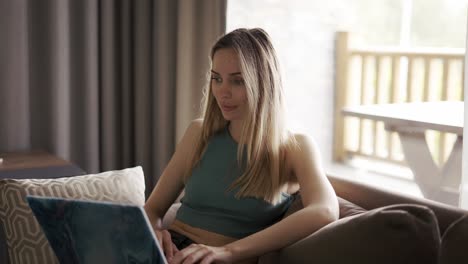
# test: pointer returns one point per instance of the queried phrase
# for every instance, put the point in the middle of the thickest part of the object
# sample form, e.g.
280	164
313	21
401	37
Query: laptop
97	232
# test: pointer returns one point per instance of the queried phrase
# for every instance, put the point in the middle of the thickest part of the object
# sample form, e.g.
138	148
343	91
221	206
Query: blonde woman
239	166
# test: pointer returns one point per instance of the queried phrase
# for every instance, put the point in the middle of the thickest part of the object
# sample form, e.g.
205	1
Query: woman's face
227	85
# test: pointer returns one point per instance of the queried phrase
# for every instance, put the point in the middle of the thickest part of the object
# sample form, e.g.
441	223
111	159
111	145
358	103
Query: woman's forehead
226	61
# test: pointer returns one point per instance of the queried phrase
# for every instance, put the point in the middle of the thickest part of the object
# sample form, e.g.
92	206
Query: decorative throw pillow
347	209
25	239
392	234
454	242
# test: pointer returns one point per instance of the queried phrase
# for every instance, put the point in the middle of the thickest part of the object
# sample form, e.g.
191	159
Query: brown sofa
377	226
449	221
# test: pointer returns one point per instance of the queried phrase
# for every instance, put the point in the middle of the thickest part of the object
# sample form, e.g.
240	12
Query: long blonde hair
264	136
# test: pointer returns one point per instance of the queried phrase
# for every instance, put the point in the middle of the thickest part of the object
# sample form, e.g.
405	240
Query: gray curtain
105	84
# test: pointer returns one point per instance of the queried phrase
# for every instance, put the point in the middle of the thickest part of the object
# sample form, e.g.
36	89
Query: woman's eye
216	79
238	82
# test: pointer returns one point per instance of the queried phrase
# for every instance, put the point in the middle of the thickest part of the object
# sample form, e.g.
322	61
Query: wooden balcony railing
391	75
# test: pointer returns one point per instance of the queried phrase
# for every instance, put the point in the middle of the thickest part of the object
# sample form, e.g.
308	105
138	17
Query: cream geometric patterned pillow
25	239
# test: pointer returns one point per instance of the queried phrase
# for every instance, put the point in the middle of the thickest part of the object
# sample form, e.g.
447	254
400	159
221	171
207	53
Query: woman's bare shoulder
192	132
301	147
297	141
195	125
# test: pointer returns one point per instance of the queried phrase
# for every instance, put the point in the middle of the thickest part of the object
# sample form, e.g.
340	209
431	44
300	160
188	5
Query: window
304	34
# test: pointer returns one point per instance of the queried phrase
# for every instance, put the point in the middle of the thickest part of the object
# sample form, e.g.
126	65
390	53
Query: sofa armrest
51	172
370	197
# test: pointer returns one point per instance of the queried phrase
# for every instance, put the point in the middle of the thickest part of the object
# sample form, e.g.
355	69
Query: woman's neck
235	129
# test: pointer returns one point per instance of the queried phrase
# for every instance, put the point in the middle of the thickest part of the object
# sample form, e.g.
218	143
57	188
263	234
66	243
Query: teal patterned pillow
25	240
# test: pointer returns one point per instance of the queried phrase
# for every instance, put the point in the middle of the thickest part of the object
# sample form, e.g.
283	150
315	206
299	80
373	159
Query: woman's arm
320	208
170	185
318	197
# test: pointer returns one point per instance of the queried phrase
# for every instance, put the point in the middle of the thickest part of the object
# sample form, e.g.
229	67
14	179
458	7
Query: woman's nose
226	90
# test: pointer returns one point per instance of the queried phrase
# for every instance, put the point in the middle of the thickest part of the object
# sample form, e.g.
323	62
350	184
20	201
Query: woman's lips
227	108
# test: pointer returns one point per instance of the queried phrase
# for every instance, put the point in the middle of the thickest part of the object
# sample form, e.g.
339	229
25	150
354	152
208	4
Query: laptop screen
96	232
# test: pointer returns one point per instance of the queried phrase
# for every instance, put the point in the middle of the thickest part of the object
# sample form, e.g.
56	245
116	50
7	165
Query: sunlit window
304	34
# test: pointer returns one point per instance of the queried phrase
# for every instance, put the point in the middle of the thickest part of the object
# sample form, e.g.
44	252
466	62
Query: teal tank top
207	203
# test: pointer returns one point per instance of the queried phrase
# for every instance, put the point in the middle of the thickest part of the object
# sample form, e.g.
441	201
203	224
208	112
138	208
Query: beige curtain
196	28
106	84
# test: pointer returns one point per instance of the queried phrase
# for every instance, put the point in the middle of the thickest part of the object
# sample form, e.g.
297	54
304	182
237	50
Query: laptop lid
96	232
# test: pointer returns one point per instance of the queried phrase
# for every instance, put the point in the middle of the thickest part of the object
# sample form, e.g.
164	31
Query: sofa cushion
25	239
454	243
392	234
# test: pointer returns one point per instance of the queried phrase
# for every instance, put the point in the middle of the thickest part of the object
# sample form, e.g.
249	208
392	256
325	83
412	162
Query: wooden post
392	98
341	83
464	180
442	155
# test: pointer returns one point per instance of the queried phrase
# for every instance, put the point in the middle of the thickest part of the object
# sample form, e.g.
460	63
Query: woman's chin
229	117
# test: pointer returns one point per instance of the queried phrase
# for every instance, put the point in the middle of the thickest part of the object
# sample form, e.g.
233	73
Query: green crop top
208	205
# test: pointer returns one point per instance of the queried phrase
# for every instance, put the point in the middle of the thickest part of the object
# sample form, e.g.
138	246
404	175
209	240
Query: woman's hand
165	241
198	253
